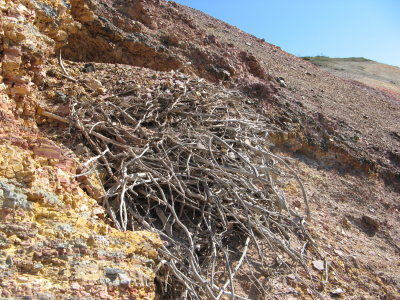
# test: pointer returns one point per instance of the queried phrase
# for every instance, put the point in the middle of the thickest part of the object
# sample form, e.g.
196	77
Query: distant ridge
369	72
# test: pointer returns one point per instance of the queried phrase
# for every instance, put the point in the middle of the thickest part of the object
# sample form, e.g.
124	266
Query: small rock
124	279
61	97
221	73
337	291
22	279
338	252
370	222
319	265
281	82
45	296
75	286
37	267
346	223
88	68
9	261
95	85
291	277
113	273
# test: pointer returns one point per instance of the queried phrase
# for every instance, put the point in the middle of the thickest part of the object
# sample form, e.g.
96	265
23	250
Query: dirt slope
341	136
371	73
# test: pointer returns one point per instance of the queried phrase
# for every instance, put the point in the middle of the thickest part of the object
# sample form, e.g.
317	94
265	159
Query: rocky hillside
369	72
84	83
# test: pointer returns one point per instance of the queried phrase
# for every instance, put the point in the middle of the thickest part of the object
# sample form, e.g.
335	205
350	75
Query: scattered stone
45	296
338	252
9	261
75	286
281	82
346	223
319	265
112	273
291	277
371	222
95	85
37	267
61	97
87	68
221	73
337	291
124	279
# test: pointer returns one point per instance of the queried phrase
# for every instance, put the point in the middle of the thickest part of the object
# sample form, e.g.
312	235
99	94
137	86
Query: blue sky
335	28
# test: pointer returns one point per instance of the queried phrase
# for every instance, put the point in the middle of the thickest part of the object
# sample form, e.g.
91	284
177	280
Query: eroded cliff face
55	240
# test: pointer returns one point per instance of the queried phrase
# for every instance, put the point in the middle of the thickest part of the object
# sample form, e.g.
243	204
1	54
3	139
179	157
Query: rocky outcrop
55	240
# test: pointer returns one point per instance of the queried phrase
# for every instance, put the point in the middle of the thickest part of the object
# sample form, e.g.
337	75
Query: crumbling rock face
55	241
107	35
156	35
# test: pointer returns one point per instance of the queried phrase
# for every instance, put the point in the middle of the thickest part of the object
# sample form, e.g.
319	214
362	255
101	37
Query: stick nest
190	161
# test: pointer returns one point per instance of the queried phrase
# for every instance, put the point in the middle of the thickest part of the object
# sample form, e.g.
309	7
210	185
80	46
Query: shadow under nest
191	162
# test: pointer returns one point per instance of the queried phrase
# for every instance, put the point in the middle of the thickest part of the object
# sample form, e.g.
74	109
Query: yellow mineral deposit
55	241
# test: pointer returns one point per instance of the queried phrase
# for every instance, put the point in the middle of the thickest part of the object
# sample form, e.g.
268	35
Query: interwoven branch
196	168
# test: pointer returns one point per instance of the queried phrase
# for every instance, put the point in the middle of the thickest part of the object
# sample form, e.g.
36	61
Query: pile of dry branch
191	162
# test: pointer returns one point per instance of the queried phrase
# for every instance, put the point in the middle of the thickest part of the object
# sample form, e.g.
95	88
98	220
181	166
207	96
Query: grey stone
48	10
112	273
64	227
319	265
9	261
3	242
61	97
45	296
13	197
38	194
87	68
124	279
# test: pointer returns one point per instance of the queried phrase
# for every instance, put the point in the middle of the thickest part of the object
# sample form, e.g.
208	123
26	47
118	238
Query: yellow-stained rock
66	244
54	239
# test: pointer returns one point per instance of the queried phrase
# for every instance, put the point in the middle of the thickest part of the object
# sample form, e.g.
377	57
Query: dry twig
197	170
